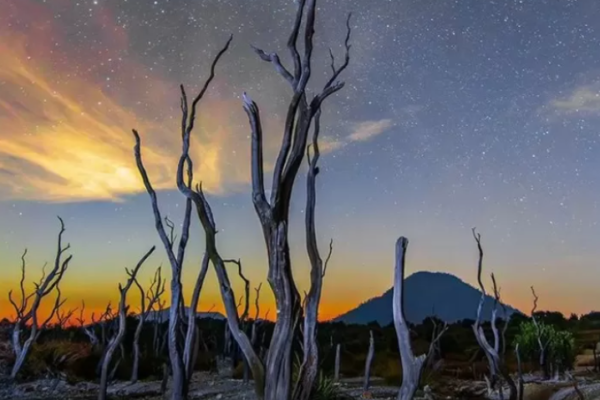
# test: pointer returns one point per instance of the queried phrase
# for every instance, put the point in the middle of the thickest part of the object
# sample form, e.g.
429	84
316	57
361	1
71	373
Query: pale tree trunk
136	341
411	366
495	357
309	368
179	387
116	341
156	289
89	331
274	214
368	362
336	370
192	329
205	216
520	388
25	313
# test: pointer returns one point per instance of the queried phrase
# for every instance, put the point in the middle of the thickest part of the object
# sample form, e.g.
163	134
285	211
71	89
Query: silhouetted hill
164	315
426	293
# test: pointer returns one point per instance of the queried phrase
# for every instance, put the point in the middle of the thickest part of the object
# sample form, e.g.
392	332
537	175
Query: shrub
56	357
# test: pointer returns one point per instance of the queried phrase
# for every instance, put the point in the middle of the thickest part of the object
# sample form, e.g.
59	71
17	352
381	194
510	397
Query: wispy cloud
369	129
66	114
66	134
584	99
359	132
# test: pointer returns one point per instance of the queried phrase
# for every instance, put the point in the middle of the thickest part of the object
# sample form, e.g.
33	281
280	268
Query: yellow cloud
69	141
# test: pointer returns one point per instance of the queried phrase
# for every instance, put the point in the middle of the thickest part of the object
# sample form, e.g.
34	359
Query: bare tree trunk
368	362
336	371
493	354
307	374
156	289
118	338
178	366
274	215
113	371
520	389
44	287
192	329
411	365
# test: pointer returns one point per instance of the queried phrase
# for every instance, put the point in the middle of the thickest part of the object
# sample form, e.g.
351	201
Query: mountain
426	294
164	315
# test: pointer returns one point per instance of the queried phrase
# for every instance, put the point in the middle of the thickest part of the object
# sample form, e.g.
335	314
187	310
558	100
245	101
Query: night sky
455	114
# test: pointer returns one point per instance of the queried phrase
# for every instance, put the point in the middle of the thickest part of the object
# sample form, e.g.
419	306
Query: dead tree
106	322
103	321
192	328
495	360
254	333
412	366
63	317
157	342
156	289
307	374
244	317
117	339
520	389
198	199
26	313
274	214
542	346
88	330
368	362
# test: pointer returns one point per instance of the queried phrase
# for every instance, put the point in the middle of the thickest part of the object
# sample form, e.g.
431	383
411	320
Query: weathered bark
243	320
411	366
205	216
116	341
254	329
156	289
307	374
336	370
26	313
274	215
179	386
520	389
192	330
368	362
88	330
434	345
178	360
495	359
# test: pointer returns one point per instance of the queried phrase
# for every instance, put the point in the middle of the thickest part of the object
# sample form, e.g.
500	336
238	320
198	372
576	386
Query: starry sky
455	114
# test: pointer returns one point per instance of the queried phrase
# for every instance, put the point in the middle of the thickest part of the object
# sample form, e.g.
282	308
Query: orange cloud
66	137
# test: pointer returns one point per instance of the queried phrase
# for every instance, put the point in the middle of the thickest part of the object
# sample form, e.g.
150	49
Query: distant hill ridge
164	315
426	293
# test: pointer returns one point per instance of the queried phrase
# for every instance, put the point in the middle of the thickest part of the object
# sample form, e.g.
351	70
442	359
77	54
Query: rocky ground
217	387
205	386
